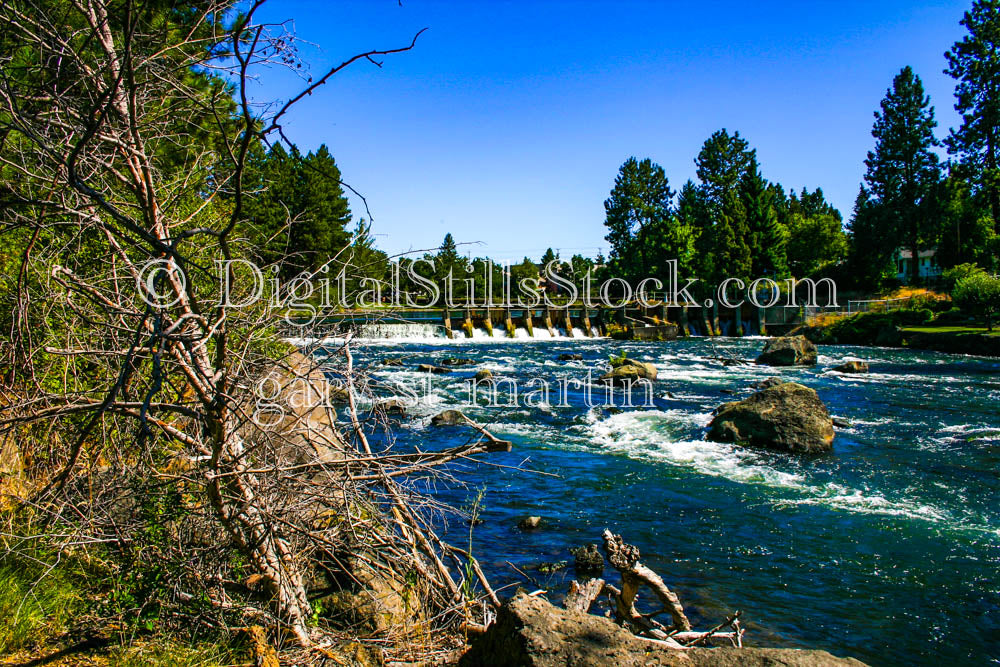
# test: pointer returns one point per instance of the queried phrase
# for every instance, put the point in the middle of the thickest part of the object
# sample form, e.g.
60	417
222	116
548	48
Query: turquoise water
887	550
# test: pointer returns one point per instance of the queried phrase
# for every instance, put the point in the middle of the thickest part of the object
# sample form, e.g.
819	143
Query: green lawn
955	329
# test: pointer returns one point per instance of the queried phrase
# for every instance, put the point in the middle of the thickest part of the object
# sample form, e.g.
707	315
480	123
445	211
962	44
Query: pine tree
692	213
321	230
903	169
975	63
448	261
722	163
639	204
766	234
297	208
870	255
966	232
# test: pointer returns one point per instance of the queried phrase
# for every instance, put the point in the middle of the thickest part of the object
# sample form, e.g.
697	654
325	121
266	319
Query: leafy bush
912	316
979	294
953	316
951	276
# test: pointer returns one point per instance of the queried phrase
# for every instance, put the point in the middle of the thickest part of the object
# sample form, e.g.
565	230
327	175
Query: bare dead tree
125	142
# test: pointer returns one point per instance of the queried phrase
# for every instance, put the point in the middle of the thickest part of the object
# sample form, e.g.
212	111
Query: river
887	549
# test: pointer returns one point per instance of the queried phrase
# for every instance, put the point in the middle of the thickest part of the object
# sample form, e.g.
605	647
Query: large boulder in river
788	351
630	370
787	417
530	631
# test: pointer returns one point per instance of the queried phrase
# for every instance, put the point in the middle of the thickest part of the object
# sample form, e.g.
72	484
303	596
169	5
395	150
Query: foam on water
659	436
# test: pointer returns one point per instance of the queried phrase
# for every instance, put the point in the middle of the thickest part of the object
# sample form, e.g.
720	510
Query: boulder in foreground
788	417
531	632
788	351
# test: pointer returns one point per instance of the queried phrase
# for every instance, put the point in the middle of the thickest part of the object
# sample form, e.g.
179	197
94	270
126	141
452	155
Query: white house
928	267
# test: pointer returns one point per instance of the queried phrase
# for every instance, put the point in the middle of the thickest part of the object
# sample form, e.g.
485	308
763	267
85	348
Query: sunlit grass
32	609
956	330
176	655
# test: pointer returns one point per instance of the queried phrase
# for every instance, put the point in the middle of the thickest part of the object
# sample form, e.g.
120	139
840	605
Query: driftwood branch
625	558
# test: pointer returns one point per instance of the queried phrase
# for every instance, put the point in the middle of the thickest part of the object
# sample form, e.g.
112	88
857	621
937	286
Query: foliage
965	227
979	294
767	236
865	328
814	241
296	208
640	221
619	359
903	171
974	61
956	273
33	604
872	244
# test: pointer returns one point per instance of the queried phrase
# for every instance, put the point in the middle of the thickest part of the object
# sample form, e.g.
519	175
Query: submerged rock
529	523
484	374
391	406
550	567
787	417
588	561
769	382
456	361
788	351
852	367
392	361
429	368
529	631
570	357
450	418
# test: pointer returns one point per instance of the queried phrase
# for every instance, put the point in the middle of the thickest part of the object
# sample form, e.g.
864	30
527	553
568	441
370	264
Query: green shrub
912	316
978	294
950	277
953	316
619	359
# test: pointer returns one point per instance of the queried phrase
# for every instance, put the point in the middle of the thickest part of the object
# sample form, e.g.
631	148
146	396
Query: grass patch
32	606
176	655
955	330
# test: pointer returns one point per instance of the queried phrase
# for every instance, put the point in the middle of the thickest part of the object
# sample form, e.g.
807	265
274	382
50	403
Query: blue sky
507	123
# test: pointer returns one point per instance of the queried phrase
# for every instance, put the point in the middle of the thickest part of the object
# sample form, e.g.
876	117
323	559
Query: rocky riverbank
530	631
